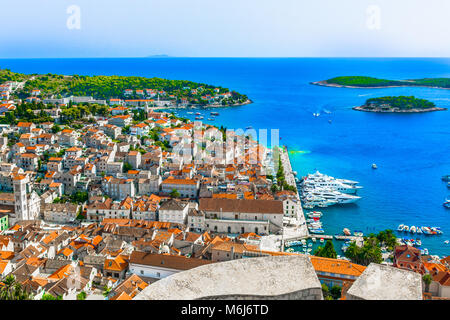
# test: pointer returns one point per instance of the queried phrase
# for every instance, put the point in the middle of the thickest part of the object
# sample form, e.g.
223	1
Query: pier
300	230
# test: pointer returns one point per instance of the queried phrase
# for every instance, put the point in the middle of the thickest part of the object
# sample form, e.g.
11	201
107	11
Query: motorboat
197	113
314	214
374	166
426	230
446	204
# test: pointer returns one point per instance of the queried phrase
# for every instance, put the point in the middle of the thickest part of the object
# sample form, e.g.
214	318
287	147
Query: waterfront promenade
297	229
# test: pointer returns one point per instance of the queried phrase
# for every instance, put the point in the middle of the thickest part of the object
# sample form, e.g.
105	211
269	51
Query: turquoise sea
411	151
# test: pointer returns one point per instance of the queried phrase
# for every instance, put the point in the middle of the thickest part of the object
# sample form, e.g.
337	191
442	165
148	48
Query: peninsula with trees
116	90
371	83
399	104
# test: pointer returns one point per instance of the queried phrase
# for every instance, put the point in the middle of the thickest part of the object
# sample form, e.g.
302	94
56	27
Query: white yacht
321	180
333	196
320	190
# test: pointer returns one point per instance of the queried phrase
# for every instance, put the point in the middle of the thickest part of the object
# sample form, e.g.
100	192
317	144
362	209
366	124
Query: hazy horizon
231	29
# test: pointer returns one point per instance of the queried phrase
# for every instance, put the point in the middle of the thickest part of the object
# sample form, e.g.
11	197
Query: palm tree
12	290
427	279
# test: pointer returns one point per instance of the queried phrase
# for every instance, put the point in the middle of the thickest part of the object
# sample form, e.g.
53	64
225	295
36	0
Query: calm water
411	151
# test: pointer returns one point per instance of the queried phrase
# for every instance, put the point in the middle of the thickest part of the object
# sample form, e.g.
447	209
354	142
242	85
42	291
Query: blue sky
231	28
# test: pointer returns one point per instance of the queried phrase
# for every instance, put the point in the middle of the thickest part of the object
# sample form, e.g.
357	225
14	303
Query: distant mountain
159	56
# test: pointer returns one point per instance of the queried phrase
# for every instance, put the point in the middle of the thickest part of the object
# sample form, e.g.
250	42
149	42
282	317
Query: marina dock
301	230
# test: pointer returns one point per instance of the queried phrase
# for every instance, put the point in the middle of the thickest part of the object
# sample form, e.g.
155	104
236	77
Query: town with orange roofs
120	200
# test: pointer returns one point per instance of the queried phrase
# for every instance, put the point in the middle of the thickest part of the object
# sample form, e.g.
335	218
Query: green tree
127	166
336	292
106	291
79	197
174	194
12	290
48	296
325	291
427	279
327	251
81	296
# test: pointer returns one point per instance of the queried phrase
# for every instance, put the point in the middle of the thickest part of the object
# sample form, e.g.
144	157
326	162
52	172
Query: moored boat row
420	230
322	191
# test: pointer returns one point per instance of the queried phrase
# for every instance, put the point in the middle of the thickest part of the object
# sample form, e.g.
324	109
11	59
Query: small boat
313	239
446	204
211	119
309	244
412	229
418	242
447	241
190	112
425	251
197	113
446	178
346	232
316	114
418	230
199	118
321	240
374	166
358	233
400	227
406	228
326	111
213	113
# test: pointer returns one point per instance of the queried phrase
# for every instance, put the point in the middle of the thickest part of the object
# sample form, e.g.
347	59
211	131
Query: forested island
122	87
399	104
370	82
